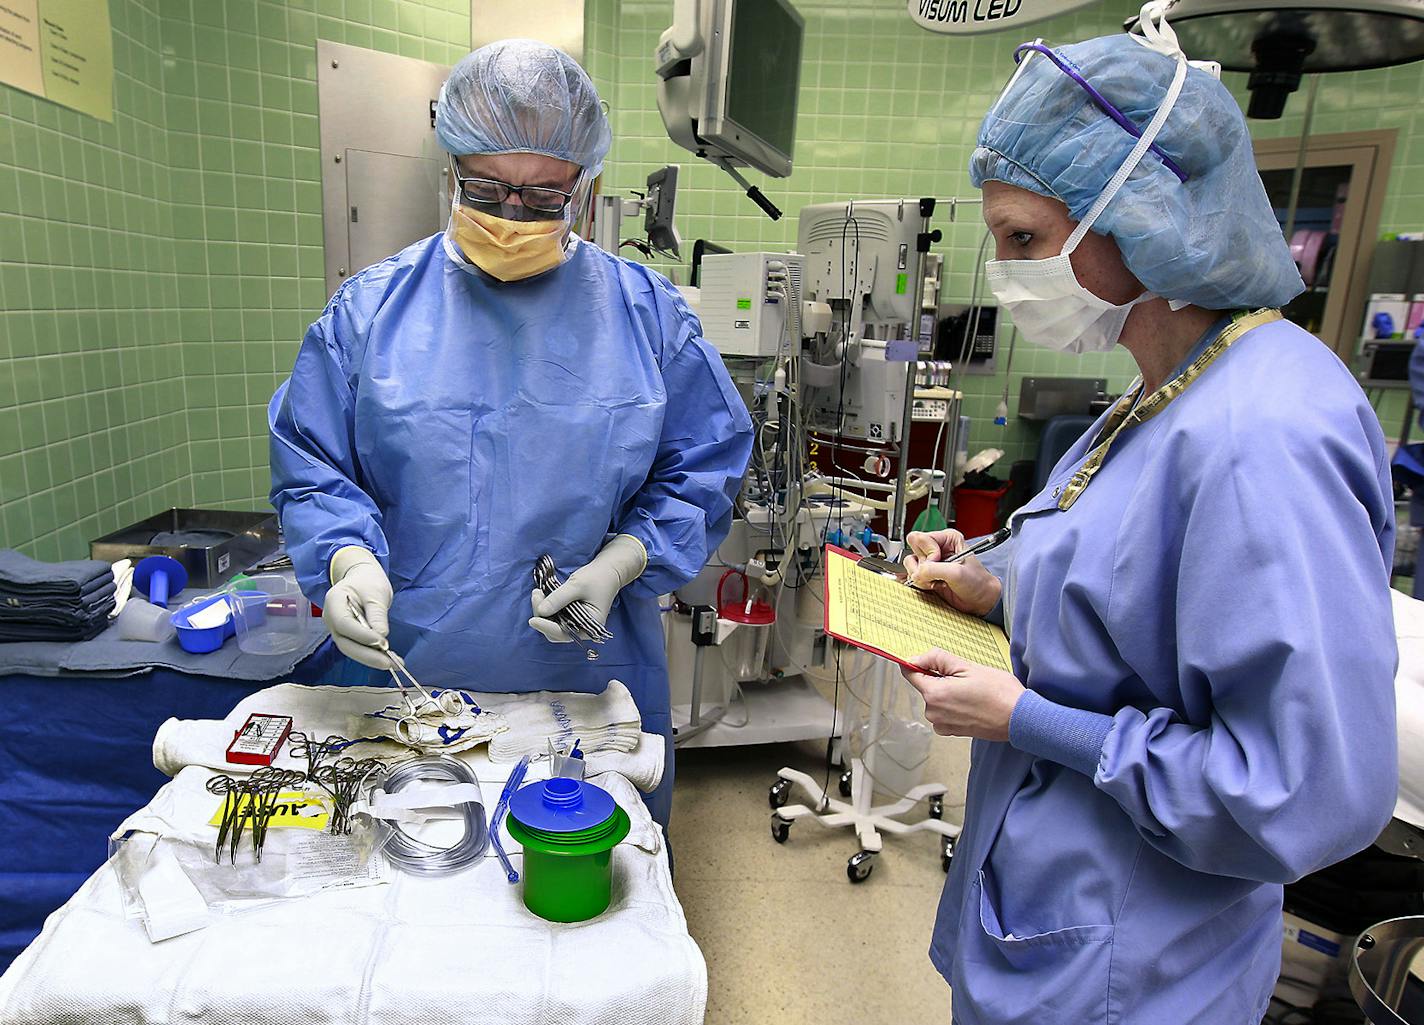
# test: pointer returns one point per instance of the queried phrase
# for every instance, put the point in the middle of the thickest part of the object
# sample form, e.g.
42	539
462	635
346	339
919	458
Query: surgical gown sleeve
684	509
316	485
996	561
1278	607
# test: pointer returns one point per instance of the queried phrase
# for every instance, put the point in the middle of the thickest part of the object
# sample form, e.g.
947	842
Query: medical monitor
864	247
730	75
660	209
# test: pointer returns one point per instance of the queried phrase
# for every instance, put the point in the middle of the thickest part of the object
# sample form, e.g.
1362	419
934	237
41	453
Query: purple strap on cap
1101	101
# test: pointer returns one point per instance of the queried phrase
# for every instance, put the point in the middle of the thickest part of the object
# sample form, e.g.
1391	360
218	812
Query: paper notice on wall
61	50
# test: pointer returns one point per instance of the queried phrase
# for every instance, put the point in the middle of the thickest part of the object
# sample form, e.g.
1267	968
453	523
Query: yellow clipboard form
883	616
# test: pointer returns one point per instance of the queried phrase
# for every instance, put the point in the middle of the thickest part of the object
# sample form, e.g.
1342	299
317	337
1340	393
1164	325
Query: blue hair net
1213	240
522	96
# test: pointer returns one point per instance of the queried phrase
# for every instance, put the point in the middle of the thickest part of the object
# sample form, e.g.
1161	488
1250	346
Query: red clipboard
989	644
826	615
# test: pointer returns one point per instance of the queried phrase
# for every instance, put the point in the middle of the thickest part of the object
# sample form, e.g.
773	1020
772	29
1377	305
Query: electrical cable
889	715
836	489
416	856
1009	367
738	695
976	308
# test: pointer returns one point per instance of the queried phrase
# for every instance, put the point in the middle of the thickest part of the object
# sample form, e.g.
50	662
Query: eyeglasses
539	198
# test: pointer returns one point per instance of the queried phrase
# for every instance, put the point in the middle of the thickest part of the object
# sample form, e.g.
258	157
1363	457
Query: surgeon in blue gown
1201	706
499	391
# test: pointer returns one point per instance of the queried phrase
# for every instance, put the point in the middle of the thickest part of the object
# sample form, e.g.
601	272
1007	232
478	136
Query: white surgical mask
1048	304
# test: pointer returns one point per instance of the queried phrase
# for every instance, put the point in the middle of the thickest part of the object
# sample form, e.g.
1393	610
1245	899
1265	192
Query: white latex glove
620	562
357	578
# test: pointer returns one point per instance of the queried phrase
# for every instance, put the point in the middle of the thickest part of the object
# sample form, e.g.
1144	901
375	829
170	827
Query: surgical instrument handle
516	777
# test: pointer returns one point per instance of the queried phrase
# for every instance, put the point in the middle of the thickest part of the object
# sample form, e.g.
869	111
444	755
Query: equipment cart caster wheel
780	829
859	867
946	852
778	794
845	784
937	806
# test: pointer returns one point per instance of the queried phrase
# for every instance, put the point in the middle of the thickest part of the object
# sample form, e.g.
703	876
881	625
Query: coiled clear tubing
413	855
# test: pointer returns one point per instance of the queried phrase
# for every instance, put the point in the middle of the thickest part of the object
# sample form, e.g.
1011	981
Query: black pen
983	545
994	540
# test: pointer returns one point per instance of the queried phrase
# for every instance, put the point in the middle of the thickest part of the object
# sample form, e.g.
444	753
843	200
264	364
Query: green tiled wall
92	432
241	105
156	275
600	43
888	109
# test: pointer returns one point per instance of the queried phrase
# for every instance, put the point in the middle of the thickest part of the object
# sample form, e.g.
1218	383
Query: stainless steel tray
218	545
1042	398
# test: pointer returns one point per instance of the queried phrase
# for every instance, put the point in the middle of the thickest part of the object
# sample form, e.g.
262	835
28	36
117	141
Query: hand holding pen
945	565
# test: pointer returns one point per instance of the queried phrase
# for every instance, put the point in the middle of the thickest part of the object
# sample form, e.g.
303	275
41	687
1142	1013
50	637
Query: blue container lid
562	805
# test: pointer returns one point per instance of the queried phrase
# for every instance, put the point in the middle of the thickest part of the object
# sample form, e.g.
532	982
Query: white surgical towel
372	955
123	585
643	766
459	950
319	712
599	722
322	711
429	729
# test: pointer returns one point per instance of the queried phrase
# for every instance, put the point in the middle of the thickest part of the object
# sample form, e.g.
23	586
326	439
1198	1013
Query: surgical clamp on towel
578	618
446	702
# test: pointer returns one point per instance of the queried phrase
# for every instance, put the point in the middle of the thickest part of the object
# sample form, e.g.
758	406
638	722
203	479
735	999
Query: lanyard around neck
1129	412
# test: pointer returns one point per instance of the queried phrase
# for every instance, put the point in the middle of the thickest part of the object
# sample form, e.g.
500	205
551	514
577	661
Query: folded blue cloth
73	620
92	591
63	601
11	633
107	655
18	607
19	574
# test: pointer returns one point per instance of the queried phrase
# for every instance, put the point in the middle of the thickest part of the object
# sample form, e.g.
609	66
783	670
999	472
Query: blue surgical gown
459	427
1208	644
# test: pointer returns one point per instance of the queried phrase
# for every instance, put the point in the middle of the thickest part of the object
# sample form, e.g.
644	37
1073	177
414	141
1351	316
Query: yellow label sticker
293	810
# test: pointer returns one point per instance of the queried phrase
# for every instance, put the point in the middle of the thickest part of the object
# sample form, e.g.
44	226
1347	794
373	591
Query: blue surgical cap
1213	240
522	96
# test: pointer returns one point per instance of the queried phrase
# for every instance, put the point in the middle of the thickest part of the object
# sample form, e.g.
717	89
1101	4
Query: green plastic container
568	869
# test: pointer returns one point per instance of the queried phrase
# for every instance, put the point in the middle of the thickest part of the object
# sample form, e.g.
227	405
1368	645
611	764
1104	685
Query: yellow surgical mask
505	249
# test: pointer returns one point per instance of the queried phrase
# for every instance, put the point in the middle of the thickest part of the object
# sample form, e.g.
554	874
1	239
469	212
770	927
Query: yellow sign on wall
61	50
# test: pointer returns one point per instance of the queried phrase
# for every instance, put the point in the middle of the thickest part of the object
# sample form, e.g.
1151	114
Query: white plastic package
174	879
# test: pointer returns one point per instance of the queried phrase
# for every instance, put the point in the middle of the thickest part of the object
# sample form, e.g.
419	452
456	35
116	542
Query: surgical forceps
446	702
578	618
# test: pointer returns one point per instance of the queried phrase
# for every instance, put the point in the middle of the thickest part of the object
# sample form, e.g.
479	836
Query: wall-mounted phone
955	321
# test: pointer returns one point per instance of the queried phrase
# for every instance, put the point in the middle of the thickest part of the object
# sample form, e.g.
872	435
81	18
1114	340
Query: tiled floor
787	938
